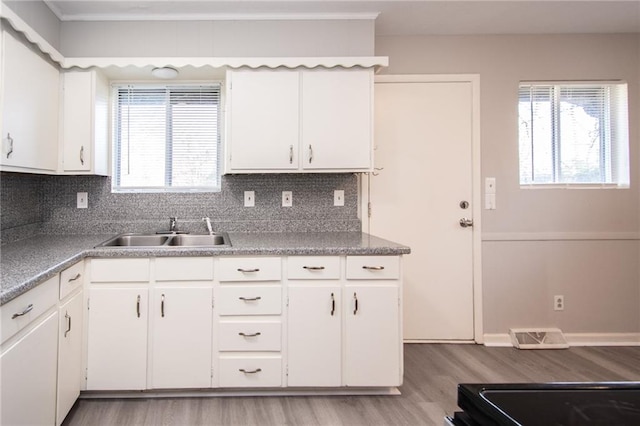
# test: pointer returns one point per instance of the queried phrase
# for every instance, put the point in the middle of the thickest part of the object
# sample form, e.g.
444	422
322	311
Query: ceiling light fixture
164	72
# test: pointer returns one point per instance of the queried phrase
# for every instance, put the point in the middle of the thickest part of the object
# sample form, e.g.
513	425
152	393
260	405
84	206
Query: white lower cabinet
117	343
69	355
182	333
29	376
239	371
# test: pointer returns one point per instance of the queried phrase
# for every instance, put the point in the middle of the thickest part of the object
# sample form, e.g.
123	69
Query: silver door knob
466	223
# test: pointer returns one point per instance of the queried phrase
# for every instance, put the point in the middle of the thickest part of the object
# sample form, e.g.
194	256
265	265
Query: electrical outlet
287	199
249	198
338	197
82	200
558	302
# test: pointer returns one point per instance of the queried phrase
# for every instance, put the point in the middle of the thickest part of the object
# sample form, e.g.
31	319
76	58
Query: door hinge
369	209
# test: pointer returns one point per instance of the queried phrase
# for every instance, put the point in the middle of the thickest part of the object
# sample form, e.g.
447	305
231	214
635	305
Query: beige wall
598	273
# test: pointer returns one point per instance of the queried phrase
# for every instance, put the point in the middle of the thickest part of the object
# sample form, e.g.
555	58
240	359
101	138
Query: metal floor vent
538	338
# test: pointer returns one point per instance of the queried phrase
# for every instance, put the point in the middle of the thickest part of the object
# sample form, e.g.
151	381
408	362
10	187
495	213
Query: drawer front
313	267
184	269
250	336
19	312
249	300
373	267
71	279
119	270
240	372
250	269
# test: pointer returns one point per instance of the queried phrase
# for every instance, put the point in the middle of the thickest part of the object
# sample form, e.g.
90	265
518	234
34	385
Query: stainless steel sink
166	241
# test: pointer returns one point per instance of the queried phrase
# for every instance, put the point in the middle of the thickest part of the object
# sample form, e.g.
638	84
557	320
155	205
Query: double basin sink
167	240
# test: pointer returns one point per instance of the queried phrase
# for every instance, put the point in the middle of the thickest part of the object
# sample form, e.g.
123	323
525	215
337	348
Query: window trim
115	148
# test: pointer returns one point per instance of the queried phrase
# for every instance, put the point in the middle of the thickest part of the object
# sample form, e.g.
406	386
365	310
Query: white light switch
287	199
490	201
249	198
338	197
83	200
490	185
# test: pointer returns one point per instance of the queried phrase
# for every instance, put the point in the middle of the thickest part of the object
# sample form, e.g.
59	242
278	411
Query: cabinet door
30	92
372	335
314	335
28	368
182	333
337	119
117	346
263	120
69	355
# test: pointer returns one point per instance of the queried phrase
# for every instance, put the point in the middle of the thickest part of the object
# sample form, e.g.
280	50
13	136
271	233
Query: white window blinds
166	138
573	133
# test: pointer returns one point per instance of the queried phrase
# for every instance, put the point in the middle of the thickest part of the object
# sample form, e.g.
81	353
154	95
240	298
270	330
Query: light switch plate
249	198
490	185
287	199
489	201
83	200
338	197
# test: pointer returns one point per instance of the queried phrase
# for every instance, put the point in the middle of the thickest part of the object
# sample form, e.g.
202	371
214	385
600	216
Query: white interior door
424	136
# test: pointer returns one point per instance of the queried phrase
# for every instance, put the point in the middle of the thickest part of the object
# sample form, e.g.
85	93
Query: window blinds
166	138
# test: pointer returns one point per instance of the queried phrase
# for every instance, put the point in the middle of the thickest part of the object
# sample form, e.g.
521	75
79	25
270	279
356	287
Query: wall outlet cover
287	199
83	200
249	198
338	197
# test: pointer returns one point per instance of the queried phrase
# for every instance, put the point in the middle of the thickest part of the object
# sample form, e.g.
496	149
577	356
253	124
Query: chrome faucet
208	222
173	223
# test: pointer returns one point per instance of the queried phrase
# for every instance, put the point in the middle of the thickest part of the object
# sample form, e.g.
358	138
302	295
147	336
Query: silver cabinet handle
257	370
82	155
466	223
78	275
290	154
333	304
249	335
138	306
313	268
162	306
68	318
355	298
10	139
249	299
248	270
310	154
373	268
24	312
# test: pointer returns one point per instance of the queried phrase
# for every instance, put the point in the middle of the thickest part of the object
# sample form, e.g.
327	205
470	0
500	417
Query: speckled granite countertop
27	263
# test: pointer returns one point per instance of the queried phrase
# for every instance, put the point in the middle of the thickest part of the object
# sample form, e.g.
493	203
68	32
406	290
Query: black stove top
549	404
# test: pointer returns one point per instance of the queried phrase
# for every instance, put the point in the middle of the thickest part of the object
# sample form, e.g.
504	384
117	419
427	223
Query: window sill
574	186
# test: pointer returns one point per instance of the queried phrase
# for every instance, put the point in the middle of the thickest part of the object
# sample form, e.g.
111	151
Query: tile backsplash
47	204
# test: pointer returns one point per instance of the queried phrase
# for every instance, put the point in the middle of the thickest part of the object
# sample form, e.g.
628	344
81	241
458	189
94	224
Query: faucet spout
208	223
173	222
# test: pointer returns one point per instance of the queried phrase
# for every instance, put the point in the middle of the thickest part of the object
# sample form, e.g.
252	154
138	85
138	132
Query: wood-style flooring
432	372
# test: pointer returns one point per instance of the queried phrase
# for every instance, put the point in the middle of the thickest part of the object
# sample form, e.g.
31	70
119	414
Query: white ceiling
395	17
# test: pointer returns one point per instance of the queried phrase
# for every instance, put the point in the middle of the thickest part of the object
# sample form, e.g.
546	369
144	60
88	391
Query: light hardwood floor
432	372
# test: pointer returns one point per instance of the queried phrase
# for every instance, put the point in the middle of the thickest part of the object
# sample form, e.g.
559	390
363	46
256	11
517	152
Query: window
573	134
166	138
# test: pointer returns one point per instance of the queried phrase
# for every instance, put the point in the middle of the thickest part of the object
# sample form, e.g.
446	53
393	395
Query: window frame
609	144
116	146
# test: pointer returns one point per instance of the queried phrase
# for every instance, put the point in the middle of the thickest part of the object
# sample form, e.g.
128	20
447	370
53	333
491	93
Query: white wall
599	274
39	17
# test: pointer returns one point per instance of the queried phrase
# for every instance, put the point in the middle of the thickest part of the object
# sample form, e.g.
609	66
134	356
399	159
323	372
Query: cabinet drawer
313	267
184	268
119	270
373	267
250	269
240	372
250	336
249	300
71	279
28	307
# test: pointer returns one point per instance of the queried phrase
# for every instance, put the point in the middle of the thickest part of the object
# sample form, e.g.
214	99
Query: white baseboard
574	339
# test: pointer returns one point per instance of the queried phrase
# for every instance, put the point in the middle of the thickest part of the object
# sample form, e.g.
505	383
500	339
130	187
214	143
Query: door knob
466	223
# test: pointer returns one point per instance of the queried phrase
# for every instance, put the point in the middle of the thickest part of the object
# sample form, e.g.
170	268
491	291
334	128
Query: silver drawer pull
10	150
257	370
24	312
78	275
248	270
249	335
333	304
249	299
138	306
355	303
313	268
373	268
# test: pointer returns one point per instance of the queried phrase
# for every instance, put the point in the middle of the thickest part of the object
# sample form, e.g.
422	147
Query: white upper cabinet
299	121
30	96
85	123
